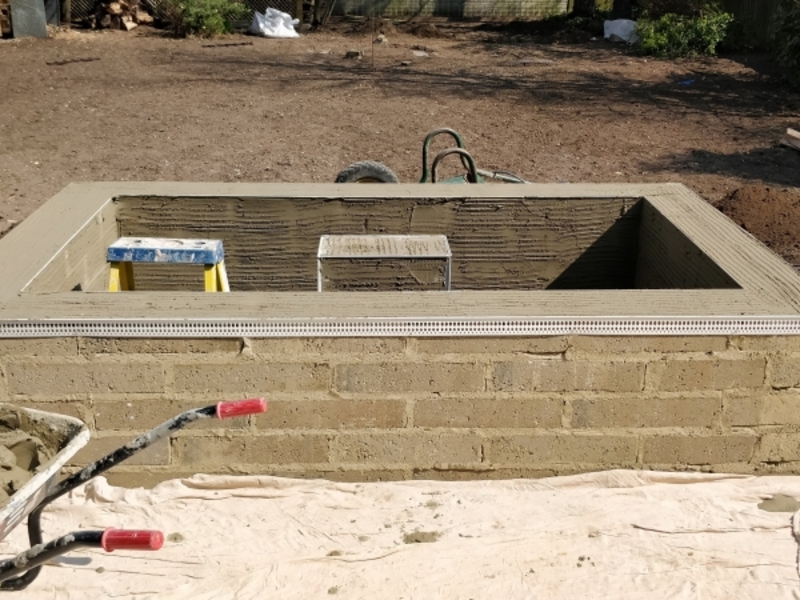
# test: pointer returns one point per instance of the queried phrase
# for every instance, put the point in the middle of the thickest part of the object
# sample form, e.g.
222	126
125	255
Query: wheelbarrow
30	500
370	171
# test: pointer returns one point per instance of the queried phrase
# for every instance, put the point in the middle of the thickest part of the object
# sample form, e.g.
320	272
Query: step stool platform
166	250
128	250
360	246
382	246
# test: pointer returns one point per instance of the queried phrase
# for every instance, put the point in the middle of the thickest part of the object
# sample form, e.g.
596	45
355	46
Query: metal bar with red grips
131	539
17	572
240	408
20	578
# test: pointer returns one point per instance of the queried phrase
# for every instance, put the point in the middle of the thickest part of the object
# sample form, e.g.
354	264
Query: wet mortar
26	446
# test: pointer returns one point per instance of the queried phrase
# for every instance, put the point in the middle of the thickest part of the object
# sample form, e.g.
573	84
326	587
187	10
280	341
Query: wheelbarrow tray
66	434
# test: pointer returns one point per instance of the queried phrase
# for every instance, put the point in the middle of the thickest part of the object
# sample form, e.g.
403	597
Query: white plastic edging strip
397	327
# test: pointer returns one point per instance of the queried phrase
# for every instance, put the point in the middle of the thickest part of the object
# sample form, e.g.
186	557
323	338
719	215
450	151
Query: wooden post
583	8
622	9
315	21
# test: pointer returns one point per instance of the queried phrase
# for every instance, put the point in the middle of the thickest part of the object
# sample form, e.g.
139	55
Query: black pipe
33	559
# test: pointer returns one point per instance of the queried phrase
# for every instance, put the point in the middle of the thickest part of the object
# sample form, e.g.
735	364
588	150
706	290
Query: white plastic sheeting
616	534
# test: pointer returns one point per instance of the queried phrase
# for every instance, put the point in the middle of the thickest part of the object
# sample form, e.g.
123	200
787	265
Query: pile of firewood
120	14
5	18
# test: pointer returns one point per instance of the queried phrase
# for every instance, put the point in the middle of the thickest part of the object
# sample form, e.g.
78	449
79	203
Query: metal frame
128	250
18	572
394	246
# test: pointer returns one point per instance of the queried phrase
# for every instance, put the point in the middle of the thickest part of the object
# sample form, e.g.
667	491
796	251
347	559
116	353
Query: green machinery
370	171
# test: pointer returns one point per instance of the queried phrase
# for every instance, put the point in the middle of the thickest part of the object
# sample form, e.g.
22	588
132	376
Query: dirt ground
90	106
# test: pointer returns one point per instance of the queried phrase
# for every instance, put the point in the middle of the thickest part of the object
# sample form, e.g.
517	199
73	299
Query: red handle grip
240	408
131	539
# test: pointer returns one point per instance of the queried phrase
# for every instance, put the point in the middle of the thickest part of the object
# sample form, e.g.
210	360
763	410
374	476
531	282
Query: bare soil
89	106
770	214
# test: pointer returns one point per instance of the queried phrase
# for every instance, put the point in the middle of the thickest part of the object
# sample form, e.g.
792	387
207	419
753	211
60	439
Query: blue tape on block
166	250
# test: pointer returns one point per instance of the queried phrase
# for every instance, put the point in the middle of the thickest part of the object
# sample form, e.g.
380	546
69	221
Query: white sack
620	30
274	24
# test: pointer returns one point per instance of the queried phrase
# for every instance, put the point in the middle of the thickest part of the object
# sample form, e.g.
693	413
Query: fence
457	9
757	16
83	9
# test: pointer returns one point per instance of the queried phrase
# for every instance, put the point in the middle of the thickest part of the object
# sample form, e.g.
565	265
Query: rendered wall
503	243
398	408
497	243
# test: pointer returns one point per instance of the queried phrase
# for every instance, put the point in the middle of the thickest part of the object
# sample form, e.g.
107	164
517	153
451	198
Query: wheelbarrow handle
222	410
240	408
131	539
25	566
426	148
22	577
466	158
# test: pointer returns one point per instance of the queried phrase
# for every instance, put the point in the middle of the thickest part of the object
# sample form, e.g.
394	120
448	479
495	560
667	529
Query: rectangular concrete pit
513	243
589	327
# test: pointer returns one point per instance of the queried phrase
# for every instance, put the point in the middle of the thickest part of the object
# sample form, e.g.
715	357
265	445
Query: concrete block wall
399	408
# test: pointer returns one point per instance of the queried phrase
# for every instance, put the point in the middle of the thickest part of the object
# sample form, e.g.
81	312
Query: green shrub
673	35
787	40
205	18
656	9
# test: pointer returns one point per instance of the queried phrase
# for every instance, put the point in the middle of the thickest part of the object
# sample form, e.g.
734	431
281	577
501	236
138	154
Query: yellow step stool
128	250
